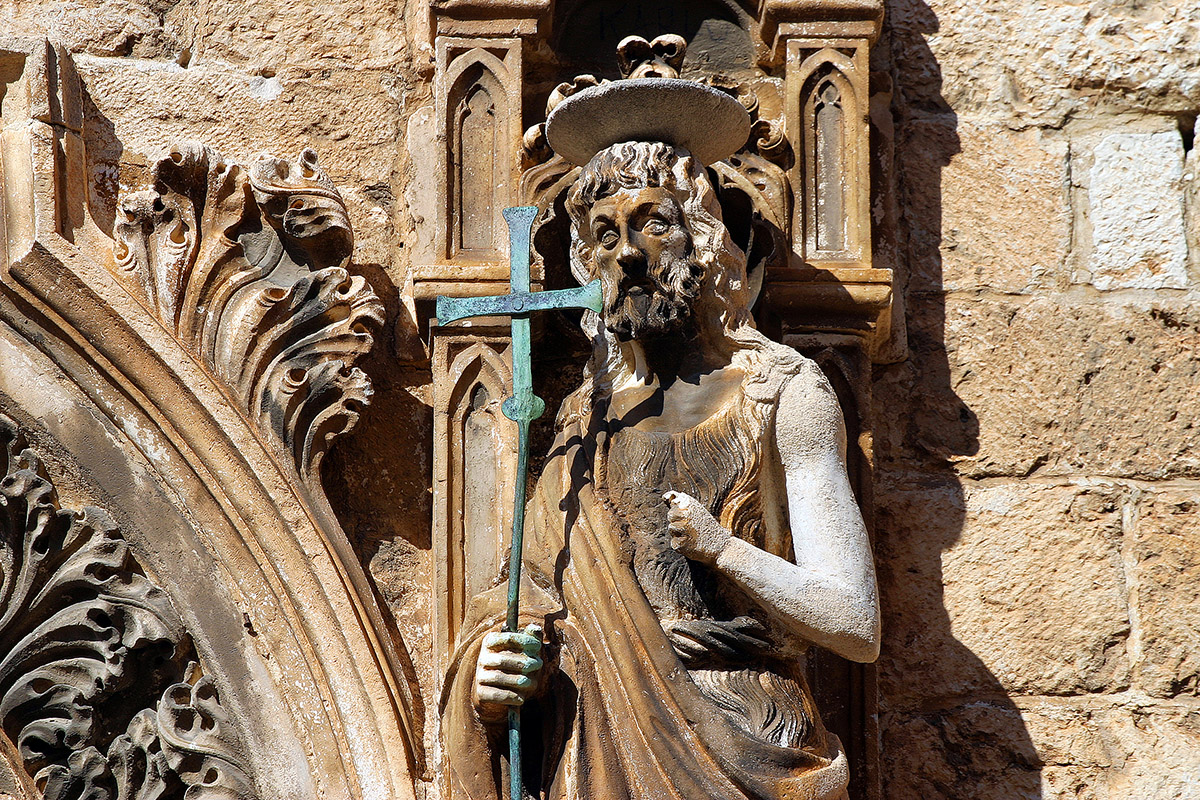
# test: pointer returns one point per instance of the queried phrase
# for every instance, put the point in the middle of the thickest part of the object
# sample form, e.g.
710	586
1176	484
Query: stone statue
692	534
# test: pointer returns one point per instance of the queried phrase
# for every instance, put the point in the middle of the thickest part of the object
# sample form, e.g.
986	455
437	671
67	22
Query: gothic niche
102	695
468	433
828	148
478	137
475	145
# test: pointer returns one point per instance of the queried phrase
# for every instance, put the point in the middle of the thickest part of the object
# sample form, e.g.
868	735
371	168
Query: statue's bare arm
829	595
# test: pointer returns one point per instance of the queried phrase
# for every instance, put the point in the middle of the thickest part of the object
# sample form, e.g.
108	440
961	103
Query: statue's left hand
694	530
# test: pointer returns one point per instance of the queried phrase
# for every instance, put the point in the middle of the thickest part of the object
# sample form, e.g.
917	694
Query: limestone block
111	28
1125	751
275	33
1044	749
999	181
1038	63
1167	591
1013	588
243	113
1005	386
981	751
1135	210
347	115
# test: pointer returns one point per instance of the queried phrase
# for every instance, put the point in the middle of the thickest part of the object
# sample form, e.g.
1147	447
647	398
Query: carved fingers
698	639
694	531
508	671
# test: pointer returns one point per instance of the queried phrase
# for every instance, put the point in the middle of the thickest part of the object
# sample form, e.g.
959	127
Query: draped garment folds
619	713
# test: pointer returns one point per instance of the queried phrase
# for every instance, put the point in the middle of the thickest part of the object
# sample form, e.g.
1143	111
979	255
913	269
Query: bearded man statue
693	533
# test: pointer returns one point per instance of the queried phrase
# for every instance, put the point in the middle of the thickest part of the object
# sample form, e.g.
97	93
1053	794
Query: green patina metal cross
524	406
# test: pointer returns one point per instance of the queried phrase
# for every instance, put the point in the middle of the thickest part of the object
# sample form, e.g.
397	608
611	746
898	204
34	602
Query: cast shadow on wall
949	727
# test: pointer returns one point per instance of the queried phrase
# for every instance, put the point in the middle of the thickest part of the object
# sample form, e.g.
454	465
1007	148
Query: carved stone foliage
94	693
247	267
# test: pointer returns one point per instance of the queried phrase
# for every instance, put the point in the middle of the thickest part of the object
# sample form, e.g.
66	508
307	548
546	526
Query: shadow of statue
949	727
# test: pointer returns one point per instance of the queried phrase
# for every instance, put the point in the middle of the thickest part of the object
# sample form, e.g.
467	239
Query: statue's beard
658	304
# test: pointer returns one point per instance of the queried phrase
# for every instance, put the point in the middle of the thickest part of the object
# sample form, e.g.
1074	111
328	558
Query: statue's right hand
507	672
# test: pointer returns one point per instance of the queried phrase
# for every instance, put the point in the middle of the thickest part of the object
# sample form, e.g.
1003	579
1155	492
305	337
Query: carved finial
661	58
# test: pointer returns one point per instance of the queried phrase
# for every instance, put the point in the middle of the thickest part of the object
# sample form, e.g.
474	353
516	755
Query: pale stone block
112	29
1041	63
1014	387
1005	213
1136	213
275	33
1128	750
1167	591
992	589
225	107
970	190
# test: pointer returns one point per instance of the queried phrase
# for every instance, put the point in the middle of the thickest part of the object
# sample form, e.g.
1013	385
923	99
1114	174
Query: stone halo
707	122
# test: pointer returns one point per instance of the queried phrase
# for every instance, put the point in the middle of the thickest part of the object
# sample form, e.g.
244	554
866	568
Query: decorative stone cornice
779	20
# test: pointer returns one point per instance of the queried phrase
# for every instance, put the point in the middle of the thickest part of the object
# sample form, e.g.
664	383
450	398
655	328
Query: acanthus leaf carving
80	622
87	643
184	741
247	267
181	749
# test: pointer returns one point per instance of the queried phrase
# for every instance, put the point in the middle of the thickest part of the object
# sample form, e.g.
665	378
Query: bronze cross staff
523	407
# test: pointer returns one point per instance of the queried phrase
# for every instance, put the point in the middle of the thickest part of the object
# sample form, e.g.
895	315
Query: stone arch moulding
211	470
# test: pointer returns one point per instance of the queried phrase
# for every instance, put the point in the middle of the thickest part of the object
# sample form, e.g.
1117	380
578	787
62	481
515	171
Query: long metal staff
522	408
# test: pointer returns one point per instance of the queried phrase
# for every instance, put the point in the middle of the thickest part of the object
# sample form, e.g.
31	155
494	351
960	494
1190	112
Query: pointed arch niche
479	138
474	457
832	225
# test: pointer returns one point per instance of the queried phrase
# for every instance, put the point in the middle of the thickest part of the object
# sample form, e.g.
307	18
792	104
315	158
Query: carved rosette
248	269
87	645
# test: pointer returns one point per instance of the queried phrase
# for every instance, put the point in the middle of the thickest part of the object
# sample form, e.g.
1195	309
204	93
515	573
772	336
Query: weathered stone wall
1037	490
1038	467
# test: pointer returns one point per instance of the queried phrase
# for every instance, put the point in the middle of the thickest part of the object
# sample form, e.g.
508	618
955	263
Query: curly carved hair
640	165
724	292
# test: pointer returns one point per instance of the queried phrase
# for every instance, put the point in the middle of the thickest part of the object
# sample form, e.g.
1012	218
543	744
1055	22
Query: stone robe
619	714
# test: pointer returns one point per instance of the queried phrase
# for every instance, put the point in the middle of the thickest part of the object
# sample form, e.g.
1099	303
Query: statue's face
642	252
